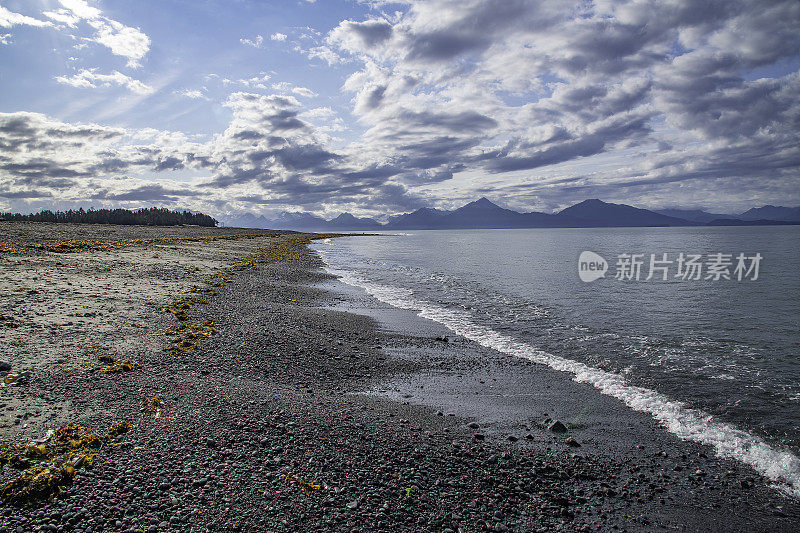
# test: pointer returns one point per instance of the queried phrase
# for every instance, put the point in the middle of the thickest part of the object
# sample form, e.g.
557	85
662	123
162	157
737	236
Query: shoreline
260	429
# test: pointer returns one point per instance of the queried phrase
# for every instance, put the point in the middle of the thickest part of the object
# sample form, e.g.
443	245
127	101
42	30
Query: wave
691	424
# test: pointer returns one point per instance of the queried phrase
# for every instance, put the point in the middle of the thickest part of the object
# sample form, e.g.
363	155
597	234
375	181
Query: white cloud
283	86
256	82
81	9
322	52
124	41
255	43
121	40
194	94
9	19
90	79
278	37
303	91
64	16
6	39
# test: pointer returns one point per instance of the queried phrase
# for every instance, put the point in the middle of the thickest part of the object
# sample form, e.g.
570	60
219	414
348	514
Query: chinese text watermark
664	267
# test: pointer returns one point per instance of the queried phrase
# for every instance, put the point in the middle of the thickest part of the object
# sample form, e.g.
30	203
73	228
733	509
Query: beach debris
4	248
8	321
119	428
51	462
558	427
307	486
115	365
187	332
572	442
180	307
16	379
185	336
152	406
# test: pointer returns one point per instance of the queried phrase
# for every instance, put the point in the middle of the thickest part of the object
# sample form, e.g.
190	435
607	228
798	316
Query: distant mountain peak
593	201
483	203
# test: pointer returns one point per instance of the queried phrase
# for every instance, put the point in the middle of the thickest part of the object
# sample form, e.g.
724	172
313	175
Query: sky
376	108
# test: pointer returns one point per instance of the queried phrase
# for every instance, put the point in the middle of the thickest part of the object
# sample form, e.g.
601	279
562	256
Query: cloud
305	92
90	79
324	53
546	100
355	37
255	43
81	9
64	16
511	86
9	19
121	40
22	193
124	41
194	94
146	193
256	82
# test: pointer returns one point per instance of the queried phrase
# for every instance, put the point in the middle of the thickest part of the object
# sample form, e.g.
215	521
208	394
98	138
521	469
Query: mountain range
483	214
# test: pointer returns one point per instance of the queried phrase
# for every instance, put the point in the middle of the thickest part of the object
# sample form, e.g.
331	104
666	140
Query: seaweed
115	365
52	462
152	406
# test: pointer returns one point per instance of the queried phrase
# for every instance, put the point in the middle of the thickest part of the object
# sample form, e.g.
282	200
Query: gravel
260	432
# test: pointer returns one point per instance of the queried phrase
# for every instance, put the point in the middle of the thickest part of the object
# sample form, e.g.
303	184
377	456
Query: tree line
153	216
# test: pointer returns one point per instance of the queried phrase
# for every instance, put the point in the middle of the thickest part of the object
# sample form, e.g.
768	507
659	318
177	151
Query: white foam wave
782	467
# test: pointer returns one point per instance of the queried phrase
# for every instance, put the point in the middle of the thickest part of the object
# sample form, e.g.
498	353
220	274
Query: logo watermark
663	267
591	266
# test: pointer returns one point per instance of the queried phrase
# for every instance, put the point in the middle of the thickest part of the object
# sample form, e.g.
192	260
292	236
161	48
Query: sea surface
715	361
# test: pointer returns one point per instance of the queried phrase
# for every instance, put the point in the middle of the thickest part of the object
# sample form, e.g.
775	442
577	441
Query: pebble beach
204	379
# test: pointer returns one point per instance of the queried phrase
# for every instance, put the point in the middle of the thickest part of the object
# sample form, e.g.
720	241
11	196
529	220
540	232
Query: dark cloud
146	193
31	193
433	152
371	32
444	45
169	163
469	121
375	97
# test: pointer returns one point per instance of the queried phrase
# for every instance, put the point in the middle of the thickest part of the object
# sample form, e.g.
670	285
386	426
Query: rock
5	367
572	442
558	427
353	504
473	425
512	438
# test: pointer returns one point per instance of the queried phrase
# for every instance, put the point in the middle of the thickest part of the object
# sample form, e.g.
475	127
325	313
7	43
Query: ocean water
713	361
